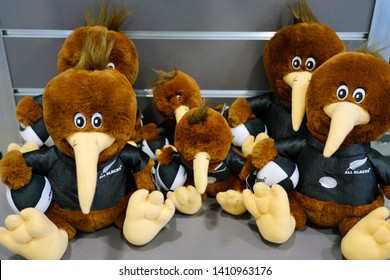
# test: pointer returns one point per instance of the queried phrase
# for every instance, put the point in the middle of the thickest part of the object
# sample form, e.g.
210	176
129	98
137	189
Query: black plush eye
359	95
310	63
79	120
97	120
111	65
178	97
296	62
342	92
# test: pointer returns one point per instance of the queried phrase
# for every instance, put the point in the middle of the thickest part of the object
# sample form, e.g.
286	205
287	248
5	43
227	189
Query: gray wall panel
205	15
216	64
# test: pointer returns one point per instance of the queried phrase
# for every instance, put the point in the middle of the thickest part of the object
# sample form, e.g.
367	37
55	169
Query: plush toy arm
28	111
143	179
164	156
263	152
239	112
386	190
150	132
247	168
382	167
14	171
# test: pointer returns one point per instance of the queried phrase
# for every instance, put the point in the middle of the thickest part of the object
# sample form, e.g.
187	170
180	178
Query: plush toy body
342	180
89	110
203	145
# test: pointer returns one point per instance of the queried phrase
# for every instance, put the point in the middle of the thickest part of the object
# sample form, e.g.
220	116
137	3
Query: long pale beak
180	111
344	117
298	81
201	169
87	146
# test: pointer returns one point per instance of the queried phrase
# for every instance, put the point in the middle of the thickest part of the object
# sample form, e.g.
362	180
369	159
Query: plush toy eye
342	92
359	95
79	120
310	63
111	65
97	120
178	97
296	62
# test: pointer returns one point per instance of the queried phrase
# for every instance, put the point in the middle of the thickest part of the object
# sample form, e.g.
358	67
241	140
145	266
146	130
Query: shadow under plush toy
342	179
92	174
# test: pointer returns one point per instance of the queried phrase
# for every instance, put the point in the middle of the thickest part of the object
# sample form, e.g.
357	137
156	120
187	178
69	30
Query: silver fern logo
354	165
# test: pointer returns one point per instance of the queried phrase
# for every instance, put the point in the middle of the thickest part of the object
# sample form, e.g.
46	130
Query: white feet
270	207
33	236
231	201
187	200
146	215
369	238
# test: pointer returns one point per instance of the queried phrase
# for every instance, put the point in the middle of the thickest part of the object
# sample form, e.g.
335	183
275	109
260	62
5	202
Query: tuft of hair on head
163	76
199	114
304	14
108	16
372	49
96	50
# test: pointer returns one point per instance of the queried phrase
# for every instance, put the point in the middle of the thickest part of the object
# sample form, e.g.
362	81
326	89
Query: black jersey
349	177
114	177
232	164
276	116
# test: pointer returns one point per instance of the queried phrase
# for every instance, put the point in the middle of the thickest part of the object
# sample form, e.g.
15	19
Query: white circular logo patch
328	182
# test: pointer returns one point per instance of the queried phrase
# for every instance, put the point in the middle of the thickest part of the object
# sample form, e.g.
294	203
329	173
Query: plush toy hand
27	147
146	215
369	238
250	142
150	132
270	207
231	201
186	199
164	155
14	171
33	236
263	151
239	112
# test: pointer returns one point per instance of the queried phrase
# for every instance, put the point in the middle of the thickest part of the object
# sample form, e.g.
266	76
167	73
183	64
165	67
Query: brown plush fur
71	221
204	129
150	132
143	179
305	38
124	54
136	136
172	89
355	70
239	112
14	178
120	115
165	157
28	111
264	152
376	75
209	133
87	88
330	214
